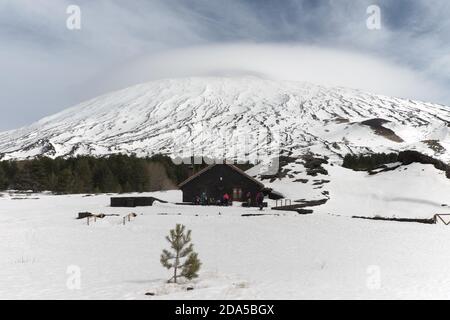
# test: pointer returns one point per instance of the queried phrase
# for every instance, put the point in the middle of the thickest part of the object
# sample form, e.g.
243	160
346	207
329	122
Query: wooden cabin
218	179
131	202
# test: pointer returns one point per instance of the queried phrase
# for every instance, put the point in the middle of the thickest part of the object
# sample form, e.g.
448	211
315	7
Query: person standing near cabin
260	200
226	199
249	199
204	199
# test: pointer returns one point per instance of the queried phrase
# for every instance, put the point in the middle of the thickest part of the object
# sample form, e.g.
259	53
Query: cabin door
237	194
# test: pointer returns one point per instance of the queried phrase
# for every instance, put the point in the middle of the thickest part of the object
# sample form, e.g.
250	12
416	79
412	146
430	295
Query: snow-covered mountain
327	234
238	117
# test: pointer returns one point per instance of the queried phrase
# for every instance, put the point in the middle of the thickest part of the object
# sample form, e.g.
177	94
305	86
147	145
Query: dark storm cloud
45	67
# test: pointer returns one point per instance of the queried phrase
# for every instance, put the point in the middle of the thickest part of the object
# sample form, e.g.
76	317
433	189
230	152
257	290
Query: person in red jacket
226	199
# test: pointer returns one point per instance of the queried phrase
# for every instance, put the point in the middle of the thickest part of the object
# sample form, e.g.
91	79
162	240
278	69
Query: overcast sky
45	67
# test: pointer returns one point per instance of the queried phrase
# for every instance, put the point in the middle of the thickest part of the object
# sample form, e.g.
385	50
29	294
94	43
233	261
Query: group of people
204	200
226	200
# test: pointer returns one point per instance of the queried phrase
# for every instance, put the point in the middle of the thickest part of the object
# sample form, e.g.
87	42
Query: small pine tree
183	258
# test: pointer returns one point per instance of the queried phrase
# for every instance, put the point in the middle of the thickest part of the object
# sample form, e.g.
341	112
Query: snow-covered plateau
280	255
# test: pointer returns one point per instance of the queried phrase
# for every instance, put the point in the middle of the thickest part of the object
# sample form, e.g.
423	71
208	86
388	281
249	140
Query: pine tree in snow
183	260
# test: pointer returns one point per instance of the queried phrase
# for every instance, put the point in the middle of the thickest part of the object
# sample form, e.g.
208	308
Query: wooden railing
128	217
125	219
283	203
91	218
441	217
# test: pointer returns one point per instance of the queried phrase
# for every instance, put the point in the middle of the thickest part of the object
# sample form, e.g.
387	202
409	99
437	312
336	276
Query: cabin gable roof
204	170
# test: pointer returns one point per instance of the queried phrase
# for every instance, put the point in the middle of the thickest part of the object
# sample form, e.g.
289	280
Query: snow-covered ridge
161	116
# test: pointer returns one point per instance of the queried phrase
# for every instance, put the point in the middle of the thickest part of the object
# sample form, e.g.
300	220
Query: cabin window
237	194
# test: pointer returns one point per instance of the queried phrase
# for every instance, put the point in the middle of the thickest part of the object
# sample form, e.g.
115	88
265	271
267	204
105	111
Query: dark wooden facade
131	202
218	179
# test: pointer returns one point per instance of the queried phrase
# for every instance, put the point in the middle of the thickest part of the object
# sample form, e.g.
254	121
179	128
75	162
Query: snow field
288	256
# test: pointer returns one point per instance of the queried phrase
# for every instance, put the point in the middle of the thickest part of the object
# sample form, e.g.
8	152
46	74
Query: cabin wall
211	183
131	202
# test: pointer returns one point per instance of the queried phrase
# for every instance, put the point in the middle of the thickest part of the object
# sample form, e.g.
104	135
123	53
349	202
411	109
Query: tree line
366	162
372	161
87	174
